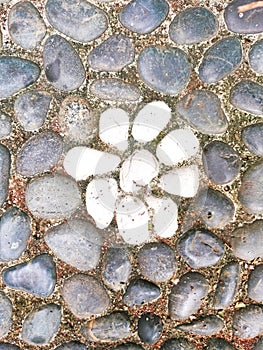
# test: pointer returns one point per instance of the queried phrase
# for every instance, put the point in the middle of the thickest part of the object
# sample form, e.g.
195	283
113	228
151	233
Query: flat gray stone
5	163
5	125
128	346
255	285
252	136
72	345
164	69
177	344
255	57
150	328
140	292
248	322
204	326
8	346
258	345
218	344
6	311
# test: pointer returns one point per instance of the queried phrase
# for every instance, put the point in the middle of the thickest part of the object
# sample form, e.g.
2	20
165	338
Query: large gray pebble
8	346
77	242
252	136
78	19
205	326
255	57
16	74
218	344
258	345
85	296
6	311
150	328
62	64
177	344
5	163
255	285
53	196
202	110
5	125
139	292
40	326
164	69
248	322
26	27
72	345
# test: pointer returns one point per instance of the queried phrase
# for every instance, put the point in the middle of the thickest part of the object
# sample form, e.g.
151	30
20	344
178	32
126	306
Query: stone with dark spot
150	328
252	136
248	322
204	326
255	57
218	344
177	344
5	164
139	292
255	285
6	311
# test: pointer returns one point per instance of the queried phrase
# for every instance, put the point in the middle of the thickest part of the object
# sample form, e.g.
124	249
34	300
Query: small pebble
204	326
5	125
177	344
255	284
127	346
258	345
248	322
5	164
139	292
255	56
150	328
8	346
218	344
6	311
72	345
252	137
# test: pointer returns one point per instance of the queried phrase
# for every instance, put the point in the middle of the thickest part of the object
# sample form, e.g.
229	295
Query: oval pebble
16	74
204	326
5	125
62	64
8	346
202	110
5	163
150	328
164	69
252	137
6	311
258	345
248	322
200	248
127	346
193	25
85	296
255	56
192	288
143	16
77	242
78	19
53	196
255	285
177	344
41	325
25	25
218	344
72	345
139	292
39	153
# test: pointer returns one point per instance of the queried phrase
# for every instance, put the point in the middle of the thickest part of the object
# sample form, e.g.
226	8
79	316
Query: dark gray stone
202	110
248	322
220	60
177	344
255	57
144	16
164	69
193	25
5	125
252	136
255	286
204	326
5	164
139	292
62	64
218	344
72	345
8	346
258	345
127	346
150	328
6	311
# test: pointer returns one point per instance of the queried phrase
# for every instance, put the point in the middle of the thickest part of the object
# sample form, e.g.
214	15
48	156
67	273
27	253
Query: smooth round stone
31	109
220	60
202	110
78	19
258	345
221	162
6	311
248	322
244	16
41	325
255	285
200	248
5	164
150	328
193	25
39	153
85	296
192	288
53	196
15	231
114	89
5	125
113	54
16	74
77	242
72	345
25	25
218	344
37	276
139	292
157	262
143	16
164	69
247	96
8	346
252	136
177	344
127	346
255	56
204	326
116	268
62	64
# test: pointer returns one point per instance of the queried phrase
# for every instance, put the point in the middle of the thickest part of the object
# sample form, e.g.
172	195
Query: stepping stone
204	326
218	344
150	328
5	164
140	292
177	344
6	312
255	285
248	322
255	56
5	125
72	345
252	137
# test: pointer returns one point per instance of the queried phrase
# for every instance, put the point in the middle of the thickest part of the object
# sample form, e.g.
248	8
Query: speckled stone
193	25
5	163
72	345
255	56
8	346
248	321
127	346
218	344
177	344
204	326
143	16
255	285
252	136
6	311
258	345
5	125
139	292
150	328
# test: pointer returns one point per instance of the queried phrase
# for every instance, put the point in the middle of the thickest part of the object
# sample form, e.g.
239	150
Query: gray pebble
252	136
144	16
192	288
218	344
72	345
255	285
202	110
177	344
6	311
255	57
5	125
113	54
221	162
8	346
157	261
220	60
248	322
78	19
200	248
41	325
150	328
77	242
164	69
258	345
26	27
85	296
204	326
39	153
15	231
31	109
16	74
53	196
62	64
193	25
5	163
37	276
127	346
248	97
139	292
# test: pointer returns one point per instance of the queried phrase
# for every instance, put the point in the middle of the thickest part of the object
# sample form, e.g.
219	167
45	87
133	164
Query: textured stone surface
72	345
258	345
127	346
177	344
5	163
150	328
8	346
252	136
6	311
218	344
139	292
205	326
255	57
255	285
248	322
5	125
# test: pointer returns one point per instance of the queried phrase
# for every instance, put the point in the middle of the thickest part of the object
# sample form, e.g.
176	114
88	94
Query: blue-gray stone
5	125
177	344
255	287
220	60
252	136
150	328
248	322
8	346
204	326
193	25
128	346
6	311
144	16
140	291
218	344
71	345
258	345
255	57
16	74
164	69
5	163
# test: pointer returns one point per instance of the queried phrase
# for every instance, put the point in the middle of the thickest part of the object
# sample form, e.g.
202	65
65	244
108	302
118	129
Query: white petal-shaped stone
101	195
138	170
164	219
114	127
177	146
150	121
82	162
132	220
182	182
